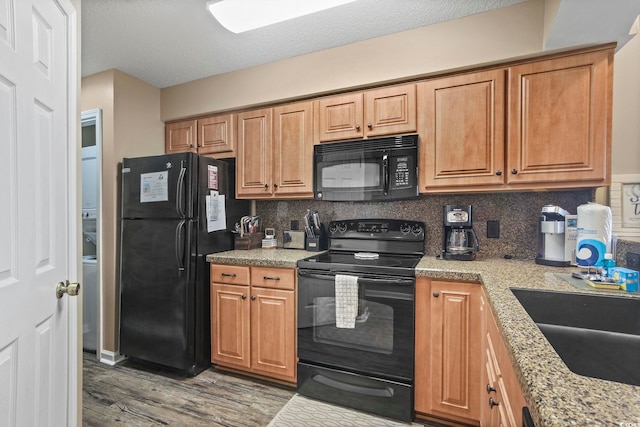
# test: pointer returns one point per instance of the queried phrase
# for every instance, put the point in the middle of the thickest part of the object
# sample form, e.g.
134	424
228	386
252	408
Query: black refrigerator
171	205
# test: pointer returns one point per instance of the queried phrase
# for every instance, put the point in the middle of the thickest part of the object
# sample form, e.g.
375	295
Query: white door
38	199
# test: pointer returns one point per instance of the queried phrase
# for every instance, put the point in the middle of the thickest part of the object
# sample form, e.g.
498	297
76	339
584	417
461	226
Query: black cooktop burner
395	264
398	245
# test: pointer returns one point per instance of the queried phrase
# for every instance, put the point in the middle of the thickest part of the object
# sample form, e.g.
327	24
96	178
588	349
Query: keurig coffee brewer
460	241
557	233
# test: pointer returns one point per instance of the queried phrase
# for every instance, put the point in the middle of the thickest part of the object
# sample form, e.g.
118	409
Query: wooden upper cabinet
559	128
390	110
462	130
293	150
216	136
276	164
212	136
340	117
180	136
253	165
377	112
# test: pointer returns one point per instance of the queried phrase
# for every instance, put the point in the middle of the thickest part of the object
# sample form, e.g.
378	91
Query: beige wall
626	109
131	127
486	37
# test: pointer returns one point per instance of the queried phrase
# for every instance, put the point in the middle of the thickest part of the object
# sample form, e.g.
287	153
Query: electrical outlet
493	229
633	261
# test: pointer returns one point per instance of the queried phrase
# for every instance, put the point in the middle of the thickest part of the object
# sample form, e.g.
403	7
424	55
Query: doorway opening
91	230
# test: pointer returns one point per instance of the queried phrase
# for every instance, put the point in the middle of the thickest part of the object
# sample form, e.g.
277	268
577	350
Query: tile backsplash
516	212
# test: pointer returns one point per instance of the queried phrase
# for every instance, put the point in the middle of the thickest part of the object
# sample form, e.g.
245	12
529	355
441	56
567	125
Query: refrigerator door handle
180	190
180	245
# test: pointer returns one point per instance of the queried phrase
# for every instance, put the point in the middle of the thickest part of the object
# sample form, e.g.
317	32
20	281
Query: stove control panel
378	229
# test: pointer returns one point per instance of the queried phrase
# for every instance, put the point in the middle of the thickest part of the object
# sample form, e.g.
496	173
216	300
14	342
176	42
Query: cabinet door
293	150
340	117
253	165
216	136
390	110
455	349
506	394
462	123
230	325
560	120
273	333
180	137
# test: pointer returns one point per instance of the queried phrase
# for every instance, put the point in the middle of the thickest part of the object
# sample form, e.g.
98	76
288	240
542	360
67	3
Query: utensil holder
249	241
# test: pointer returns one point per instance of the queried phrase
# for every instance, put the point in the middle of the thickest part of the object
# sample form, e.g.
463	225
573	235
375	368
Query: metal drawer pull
228	275
270	278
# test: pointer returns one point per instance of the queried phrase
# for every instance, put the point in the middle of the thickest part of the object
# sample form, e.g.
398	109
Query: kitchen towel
346	288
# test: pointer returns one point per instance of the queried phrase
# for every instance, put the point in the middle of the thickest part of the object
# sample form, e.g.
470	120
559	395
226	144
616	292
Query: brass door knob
71	289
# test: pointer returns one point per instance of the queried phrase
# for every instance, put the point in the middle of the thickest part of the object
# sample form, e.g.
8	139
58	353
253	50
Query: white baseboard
111	358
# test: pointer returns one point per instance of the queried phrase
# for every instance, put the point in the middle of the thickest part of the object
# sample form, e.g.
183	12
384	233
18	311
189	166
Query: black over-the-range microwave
375	169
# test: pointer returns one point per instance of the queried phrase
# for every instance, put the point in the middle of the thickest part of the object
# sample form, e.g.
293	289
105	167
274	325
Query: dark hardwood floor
139	396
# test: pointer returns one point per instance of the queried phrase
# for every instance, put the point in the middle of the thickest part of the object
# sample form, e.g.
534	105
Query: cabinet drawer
232	274
277	278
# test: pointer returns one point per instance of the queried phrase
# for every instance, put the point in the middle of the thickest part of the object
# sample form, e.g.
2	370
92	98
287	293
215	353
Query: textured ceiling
167	42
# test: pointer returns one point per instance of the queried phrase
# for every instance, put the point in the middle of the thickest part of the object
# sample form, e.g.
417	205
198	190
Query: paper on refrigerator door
216	212
154	187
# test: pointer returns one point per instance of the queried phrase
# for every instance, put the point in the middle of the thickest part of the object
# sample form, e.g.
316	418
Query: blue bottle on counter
607	264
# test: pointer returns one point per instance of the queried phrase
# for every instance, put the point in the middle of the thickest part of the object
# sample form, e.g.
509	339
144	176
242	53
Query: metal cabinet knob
436	294
266	186
253	297
493	403
357	127
490	389
514	171
243	296
71	289
369	125
275	185
498	172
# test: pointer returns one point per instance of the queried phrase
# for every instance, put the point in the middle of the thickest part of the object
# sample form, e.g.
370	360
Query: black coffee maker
460	241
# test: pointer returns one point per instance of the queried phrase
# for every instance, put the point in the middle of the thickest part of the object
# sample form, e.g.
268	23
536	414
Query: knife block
318	243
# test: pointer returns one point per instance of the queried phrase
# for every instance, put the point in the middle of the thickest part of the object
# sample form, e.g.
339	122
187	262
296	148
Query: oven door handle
361	280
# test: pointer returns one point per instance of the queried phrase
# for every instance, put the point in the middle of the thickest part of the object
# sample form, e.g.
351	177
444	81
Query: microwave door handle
385	173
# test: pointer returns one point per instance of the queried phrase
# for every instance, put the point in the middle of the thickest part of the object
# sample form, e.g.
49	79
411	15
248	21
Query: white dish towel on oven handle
346	288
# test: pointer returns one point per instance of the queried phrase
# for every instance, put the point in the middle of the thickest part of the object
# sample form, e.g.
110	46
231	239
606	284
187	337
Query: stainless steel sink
595	335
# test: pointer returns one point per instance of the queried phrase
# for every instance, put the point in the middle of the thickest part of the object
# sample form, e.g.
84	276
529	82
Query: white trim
615	201
111	358
74	361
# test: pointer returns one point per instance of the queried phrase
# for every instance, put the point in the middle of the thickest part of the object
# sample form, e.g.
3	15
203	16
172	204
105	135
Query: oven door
382	342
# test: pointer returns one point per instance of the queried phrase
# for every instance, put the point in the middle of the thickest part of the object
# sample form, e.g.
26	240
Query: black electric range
370	364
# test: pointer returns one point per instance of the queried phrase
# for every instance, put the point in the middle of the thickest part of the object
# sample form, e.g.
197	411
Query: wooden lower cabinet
253	324
448	350
501	397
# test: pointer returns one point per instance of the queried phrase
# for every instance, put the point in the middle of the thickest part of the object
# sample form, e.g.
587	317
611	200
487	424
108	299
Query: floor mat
302	411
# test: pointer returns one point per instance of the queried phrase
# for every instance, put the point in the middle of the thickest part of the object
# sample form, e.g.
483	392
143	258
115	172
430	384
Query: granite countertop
555	395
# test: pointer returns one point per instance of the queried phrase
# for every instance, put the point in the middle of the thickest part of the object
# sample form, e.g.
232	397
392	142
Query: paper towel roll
594	234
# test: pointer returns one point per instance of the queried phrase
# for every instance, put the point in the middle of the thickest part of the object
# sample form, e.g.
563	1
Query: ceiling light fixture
244	15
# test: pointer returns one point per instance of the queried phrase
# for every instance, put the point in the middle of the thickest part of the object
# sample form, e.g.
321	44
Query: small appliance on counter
269	241
460	241
557	234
